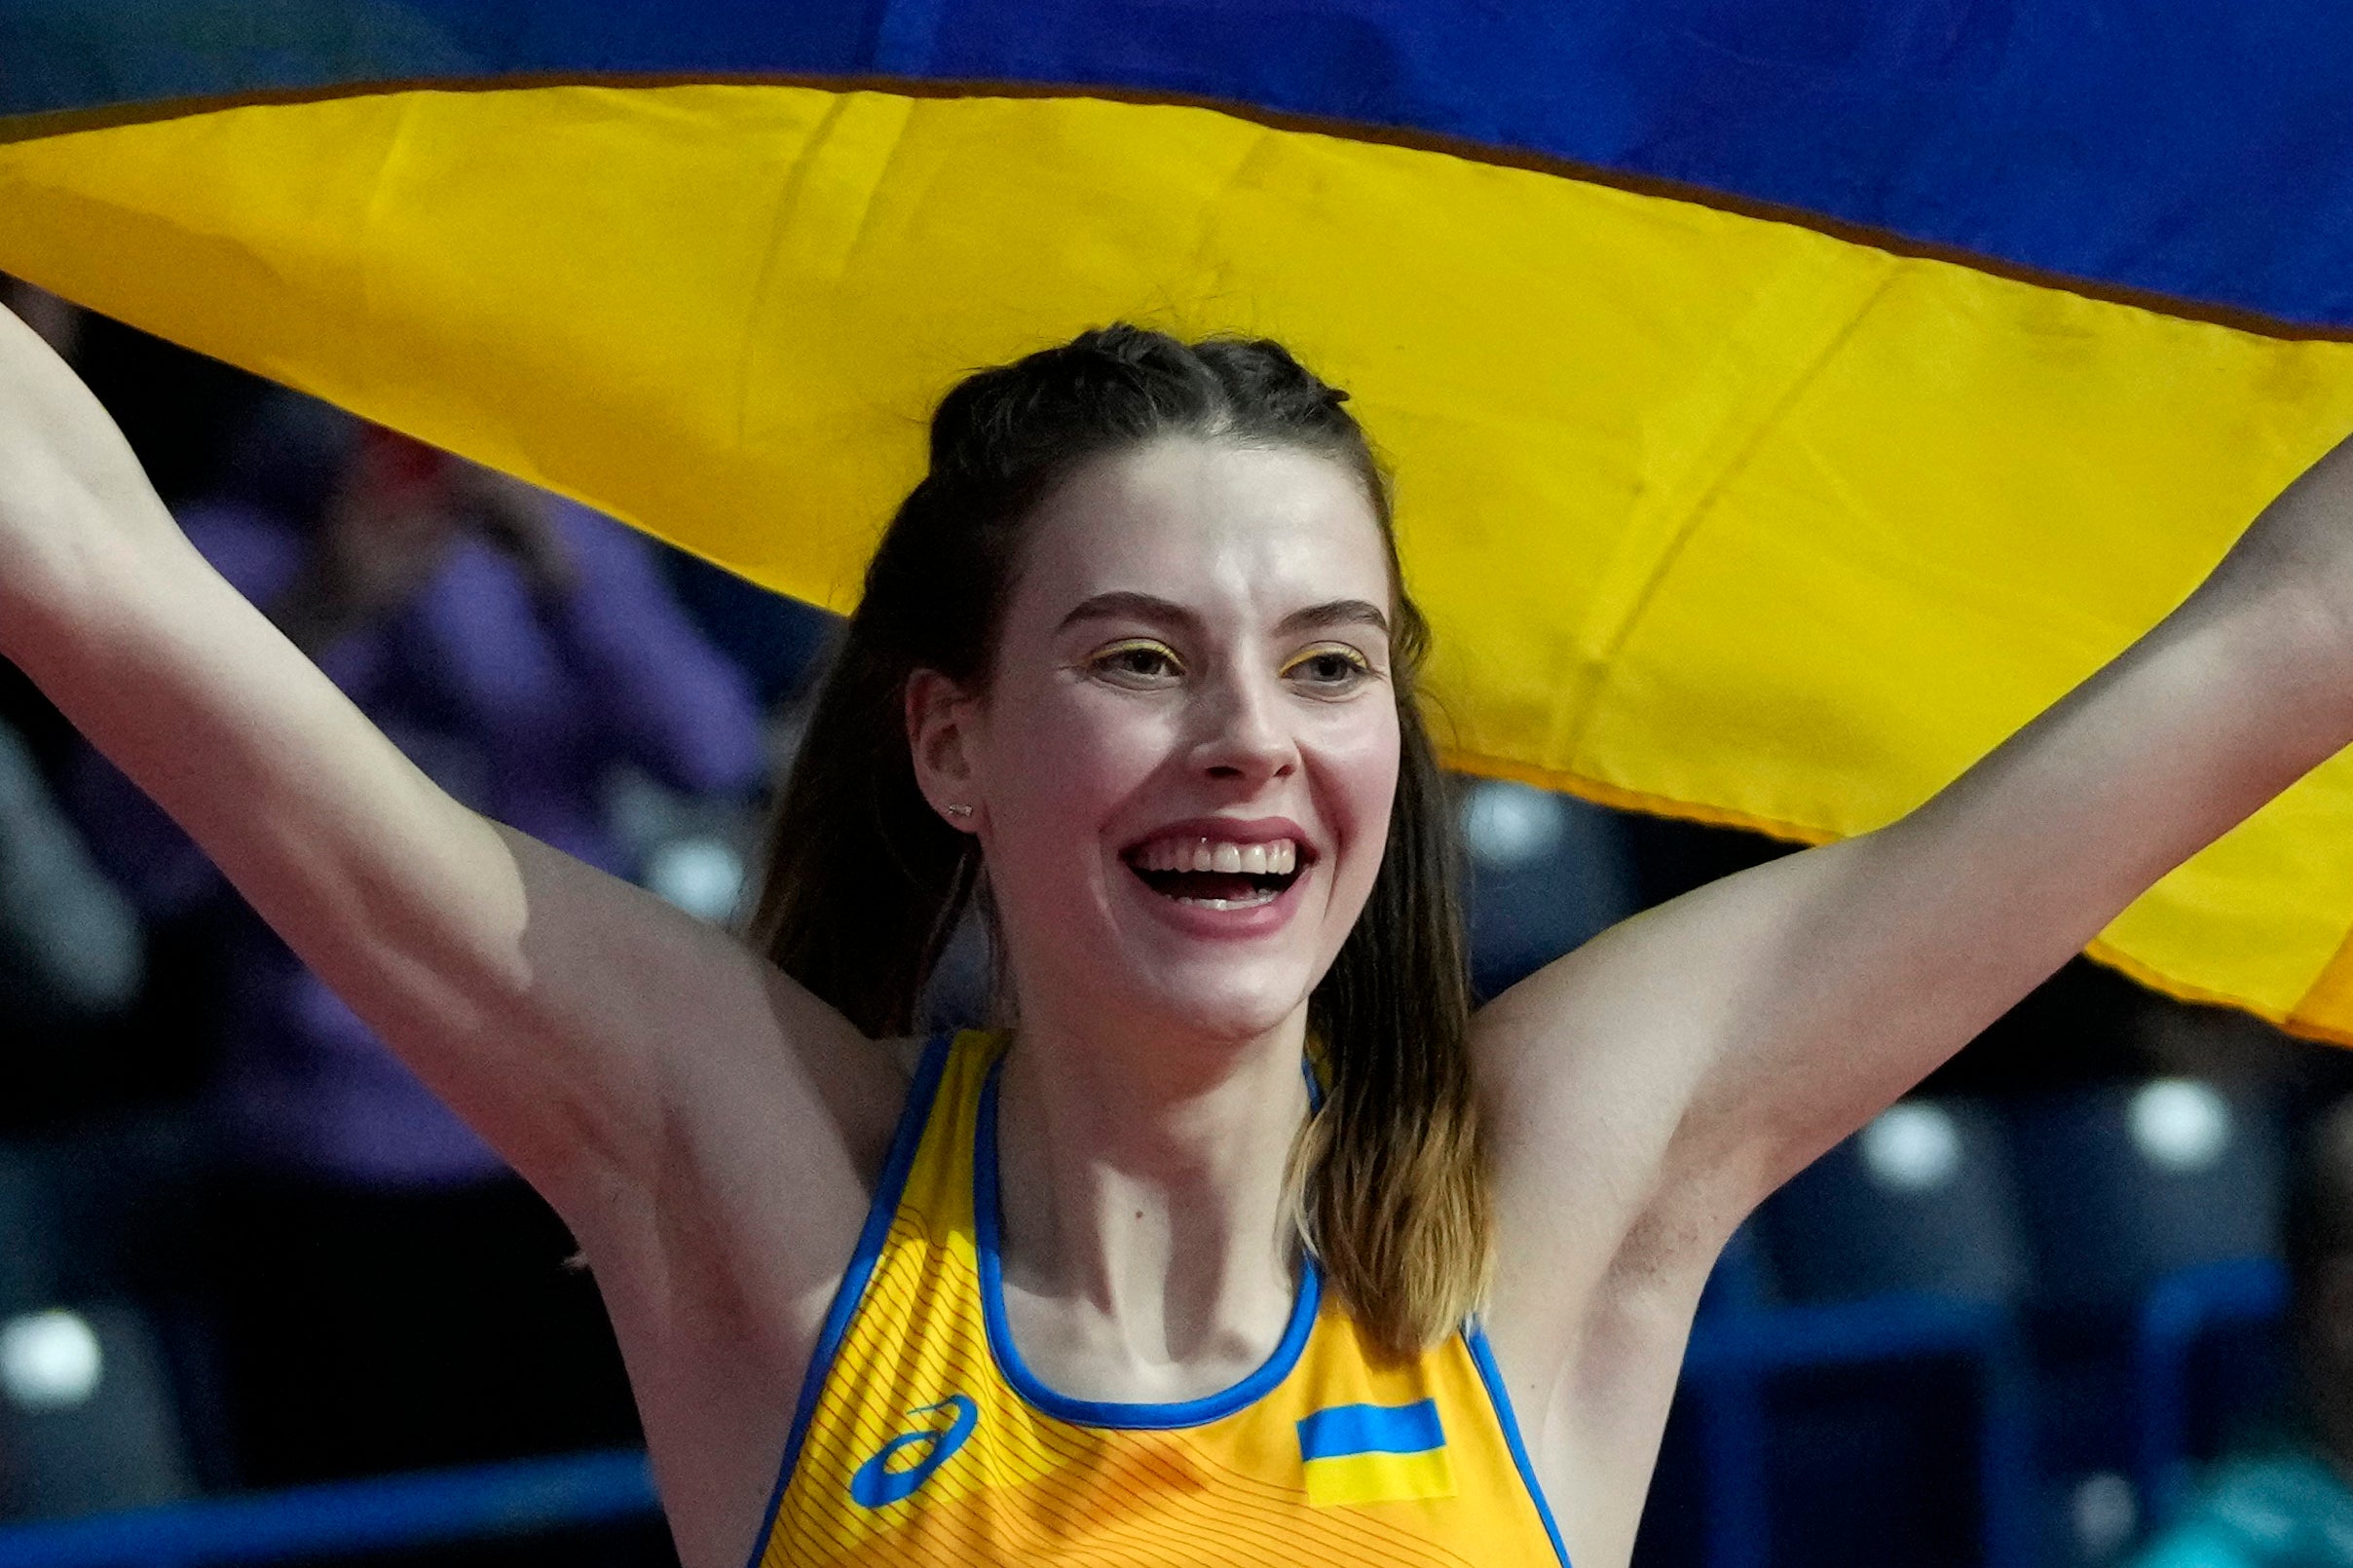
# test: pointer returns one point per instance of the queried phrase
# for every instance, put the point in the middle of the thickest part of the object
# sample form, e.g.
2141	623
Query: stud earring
959	811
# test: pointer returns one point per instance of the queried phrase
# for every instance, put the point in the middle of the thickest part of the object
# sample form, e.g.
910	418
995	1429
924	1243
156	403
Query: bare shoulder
1584	1070
778	1115
718	1271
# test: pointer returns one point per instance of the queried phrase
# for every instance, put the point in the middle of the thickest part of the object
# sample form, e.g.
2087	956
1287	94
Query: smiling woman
1060	486
1145	619
1240	1238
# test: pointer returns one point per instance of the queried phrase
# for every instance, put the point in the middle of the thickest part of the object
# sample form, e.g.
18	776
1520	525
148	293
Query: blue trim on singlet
914	1116
1123	1416
1492	1375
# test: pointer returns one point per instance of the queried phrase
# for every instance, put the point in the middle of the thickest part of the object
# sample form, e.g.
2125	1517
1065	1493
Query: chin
1220	994
1218	1009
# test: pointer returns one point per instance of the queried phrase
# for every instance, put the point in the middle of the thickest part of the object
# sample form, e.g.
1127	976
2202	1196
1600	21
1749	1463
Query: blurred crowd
295	1265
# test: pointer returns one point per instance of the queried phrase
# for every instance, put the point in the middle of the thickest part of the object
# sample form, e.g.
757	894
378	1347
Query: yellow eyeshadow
1345	652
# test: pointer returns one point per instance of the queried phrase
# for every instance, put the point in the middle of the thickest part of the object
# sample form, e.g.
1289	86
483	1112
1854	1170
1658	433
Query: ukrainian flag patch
1376	1453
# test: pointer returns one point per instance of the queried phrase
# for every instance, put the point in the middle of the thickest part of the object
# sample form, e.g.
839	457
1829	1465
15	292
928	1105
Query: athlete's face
1183	767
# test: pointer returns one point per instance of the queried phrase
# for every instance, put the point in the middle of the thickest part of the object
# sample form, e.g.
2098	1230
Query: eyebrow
1151	606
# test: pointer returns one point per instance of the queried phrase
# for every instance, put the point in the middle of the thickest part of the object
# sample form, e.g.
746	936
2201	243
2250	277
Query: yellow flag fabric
1714	515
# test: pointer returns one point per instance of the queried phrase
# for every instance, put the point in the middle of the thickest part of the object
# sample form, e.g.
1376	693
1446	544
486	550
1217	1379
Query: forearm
542	999
486	961
405	903
1873	961
332	834
2285	587
1842	976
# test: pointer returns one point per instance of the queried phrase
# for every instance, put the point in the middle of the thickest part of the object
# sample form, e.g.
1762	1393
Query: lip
1258	921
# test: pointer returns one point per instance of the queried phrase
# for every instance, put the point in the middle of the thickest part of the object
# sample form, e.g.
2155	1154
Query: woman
1139	638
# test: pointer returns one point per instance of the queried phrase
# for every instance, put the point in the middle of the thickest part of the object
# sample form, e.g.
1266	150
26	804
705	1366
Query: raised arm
626	1059
1703	1052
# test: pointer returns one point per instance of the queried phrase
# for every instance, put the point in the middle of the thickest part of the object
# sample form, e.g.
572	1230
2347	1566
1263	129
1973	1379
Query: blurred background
2086	1297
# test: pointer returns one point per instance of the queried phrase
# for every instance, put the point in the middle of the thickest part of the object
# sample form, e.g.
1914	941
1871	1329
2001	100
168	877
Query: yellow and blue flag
1374	1453
1788	397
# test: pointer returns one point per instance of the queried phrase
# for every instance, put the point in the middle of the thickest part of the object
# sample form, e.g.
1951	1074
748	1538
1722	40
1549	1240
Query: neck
1145	1246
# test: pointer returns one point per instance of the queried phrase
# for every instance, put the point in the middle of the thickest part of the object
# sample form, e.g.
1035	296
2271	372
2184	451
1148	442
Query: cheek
1360	767
1099	751
1050	814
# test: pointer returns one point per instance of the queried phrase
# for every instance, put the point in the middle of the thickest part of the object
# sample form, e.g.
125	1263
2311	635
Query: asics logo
877	1484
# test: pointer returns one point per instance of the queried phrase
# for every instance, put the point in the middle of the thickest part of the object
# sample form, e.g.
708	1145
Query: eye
1332	667
1137	661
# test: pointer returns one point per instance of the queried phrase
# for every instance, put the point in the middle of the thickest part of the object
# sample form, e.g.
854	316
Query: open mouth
1212	875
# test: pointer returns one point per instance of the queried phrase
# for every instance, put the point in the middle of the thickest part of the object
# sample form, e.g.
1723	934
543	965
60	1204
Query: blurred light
49	1360
2179	1122
2106	1513
1911	1147
701	876
1507	824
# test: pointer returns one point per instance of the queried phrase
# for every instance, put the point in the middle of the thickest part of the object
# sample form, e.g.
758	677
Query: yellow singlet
922	1437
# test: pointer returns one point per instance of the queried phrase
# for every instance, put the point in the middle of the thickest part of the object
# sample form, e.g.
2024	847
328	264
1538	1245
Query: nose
1243	733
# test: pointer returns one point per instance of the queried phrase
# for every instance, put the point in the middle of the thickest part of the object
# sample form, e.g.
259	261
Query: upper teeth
1272	858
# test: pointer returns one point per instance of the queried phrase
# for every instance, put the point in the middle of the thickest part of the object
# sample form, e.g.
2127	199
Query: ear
941	722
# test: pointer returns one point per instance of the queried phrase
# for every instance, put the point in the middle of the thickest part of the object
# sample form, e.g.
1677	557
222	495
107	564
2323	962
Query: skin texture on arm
1646	1092
708	1129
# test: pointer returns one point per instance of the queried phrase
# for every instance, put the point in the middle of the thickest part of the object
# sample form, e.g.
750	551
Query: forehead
1209	525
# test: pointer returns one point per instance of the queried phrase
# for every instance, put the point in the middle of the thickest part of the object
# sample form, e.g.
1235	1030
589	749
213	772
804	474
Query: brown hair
865	884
